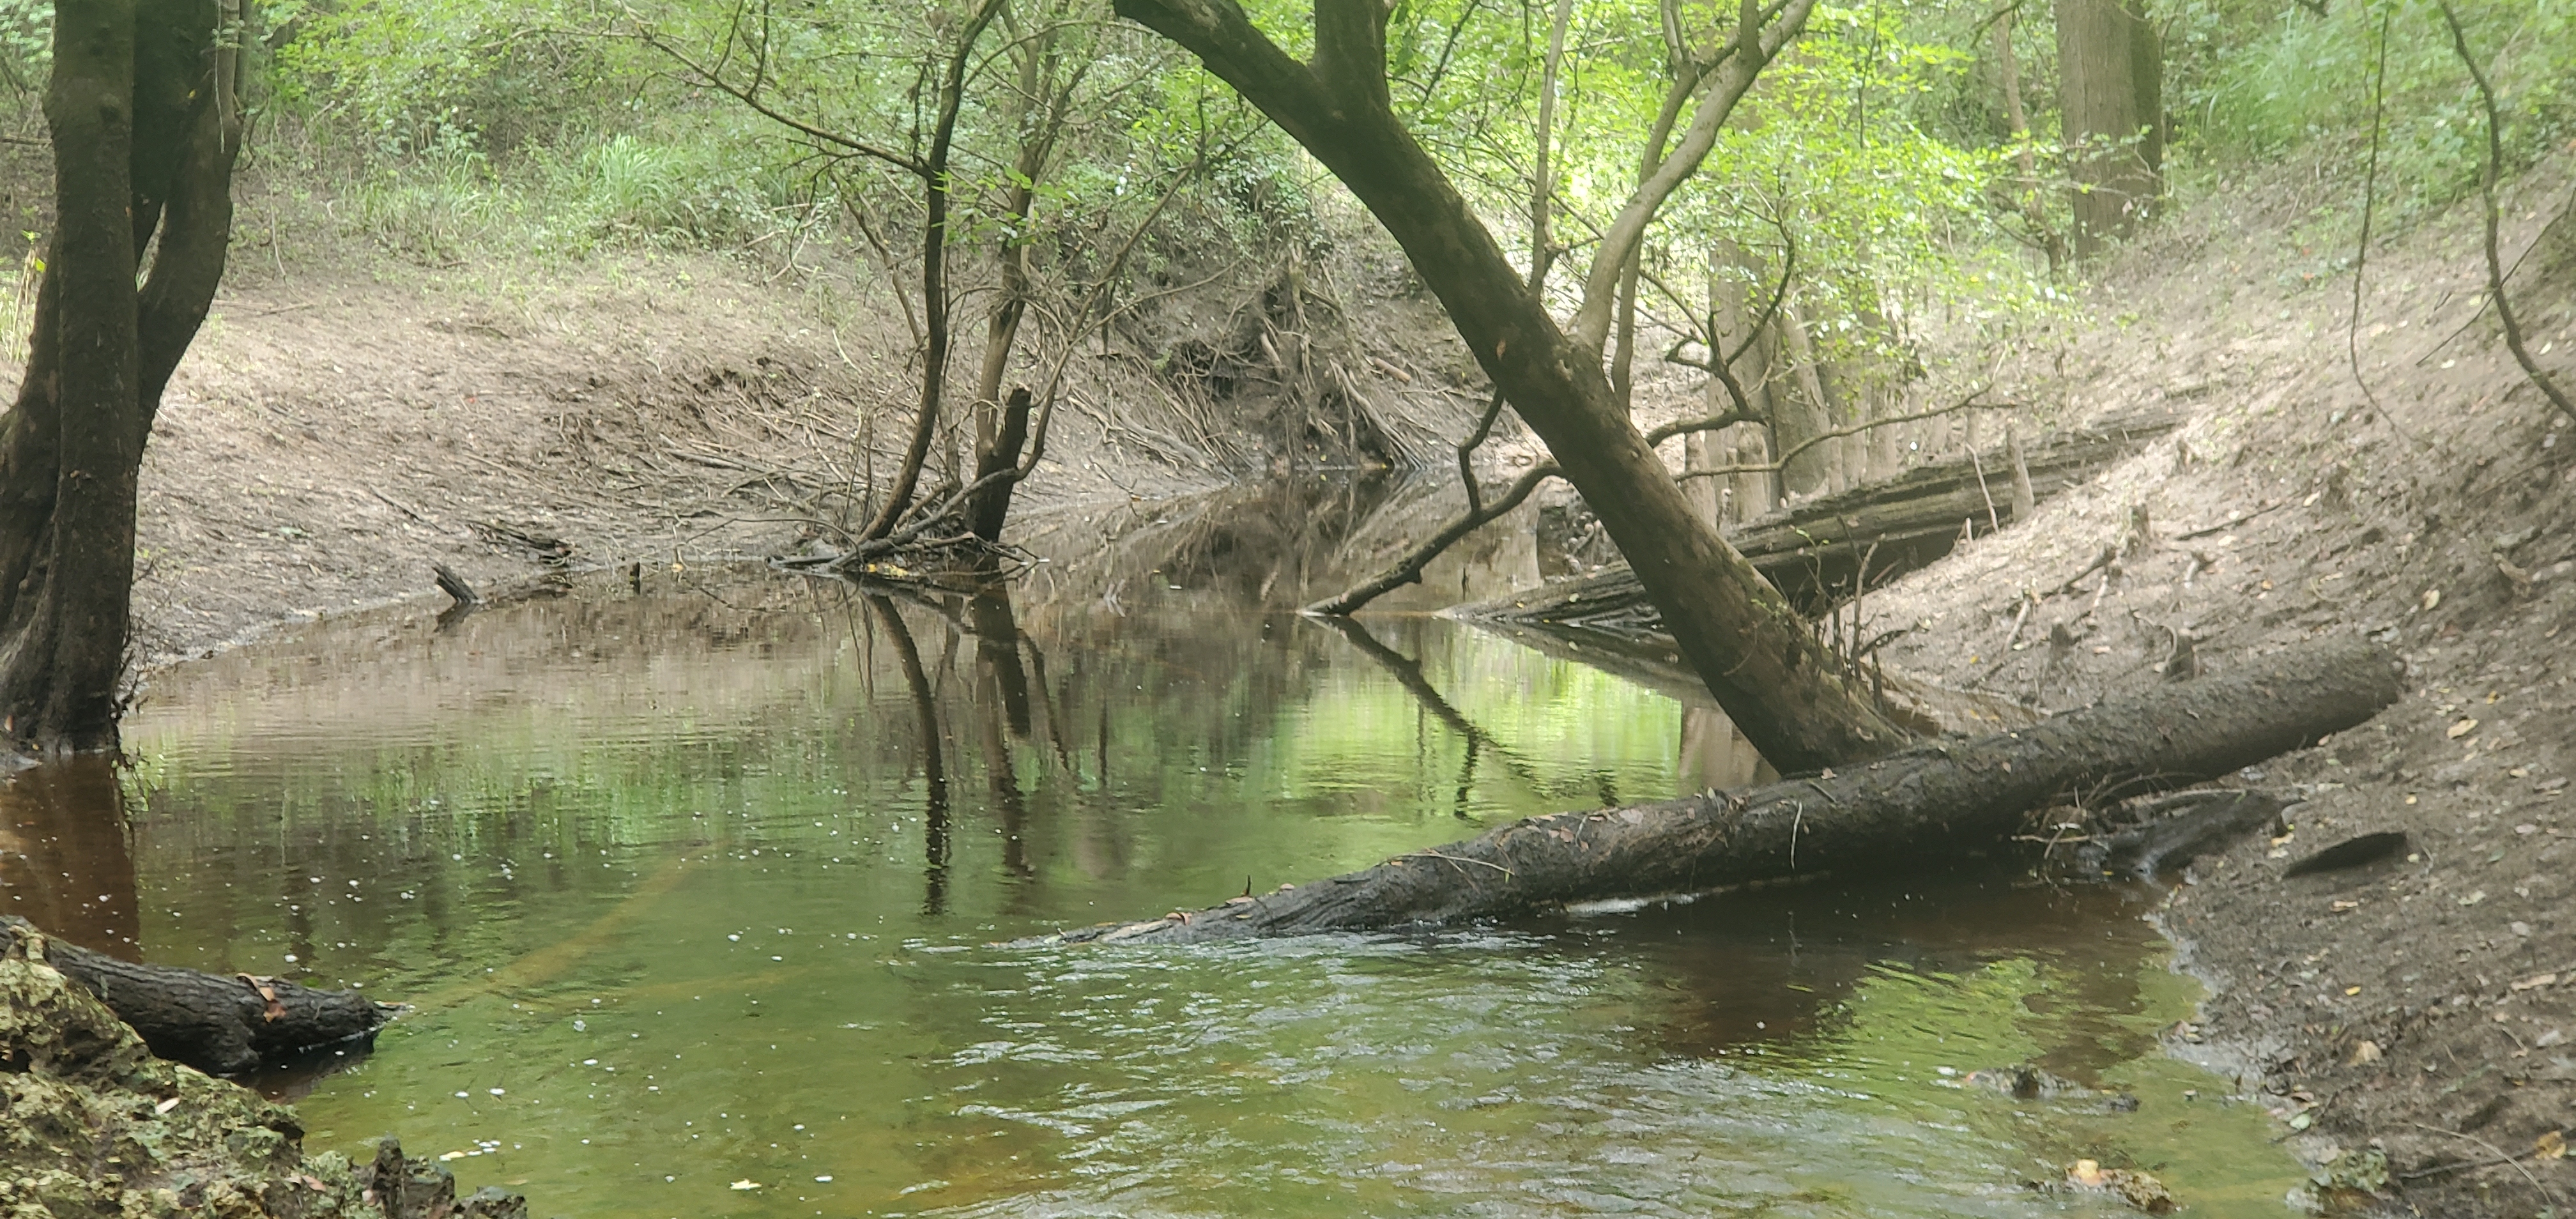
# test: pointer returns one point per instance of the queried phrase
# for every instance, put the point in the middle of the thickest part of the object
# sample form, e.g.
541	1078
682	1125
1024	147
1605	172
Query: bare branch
713	78
1408	570
2487	188
1686	427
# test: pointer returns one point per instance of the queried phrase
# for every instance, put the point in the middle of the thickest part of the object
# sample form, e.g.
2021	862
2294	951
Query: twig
2231	522
1456	859
2099	562
2492	1149
2018	620
1977	463
405	509
2361	253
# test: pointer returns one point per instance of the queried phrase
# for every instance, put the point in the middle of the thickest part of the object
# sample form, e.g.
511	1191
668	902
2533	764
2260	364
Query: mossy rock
92	1125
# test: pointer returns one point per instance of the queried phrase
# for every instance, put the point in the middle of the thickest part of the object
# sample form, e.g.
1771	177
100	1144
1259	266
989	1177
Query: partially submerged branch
217	1024
1408	570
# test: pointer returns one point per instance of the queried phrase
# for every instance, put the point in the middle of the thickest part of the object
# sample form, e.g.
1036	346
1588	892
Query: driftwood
218	1024
1943	799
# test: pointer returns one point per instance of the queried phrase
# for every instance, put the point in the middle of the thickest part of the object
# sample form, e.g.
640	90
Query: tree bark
997	462
1802	410
2110	65
1759	659
145	132
217	1024
59	672
1897	813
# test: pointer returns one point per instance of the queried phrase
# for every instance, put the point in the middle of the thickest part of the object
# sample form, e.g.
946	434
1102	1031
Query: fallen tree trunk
1812	551
222	1025
1943	799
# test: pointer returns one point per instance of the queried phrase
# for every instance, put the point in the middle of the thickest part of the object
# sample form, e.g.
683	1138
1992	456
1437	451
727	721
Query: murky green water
687	907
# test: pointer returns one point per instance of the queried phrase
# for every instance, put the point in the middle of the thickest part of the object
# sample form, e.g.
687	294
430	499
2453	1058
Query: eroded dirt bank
2419	1006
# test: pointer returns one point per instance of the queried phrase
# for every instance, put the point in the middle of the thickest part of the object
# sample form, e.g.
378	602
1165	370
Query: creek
697	892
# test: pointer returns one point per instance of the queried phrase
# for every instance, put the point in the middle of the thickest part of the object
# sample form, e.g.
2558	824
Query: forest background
1892	208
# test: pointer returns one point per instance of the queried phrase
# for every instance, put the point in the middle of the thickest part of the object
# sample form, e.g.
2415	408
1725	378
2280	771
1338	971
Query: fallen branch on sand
1944	799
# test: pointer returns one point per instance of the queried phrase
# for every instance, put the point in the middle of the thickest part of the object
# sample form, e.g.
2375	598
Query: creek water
697	896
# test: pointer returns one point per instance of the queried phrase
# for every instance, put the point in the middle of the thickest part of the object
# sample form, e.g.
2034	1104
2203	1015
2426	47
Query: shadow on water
1777	967
696	885
64	862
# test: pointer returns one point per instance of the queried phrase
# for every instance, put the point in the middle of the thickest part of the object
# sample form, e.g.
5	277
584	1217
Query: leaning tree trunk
2110	65
1896	813
145	132
1758	657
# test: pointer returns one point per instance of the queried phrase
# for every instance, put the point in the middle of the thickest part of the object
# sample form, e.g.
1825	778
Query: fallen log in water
1943	799
222	1025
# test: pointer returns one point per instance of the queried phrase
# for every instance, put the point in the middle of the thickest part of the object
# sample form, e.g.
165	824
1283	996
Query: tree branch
1408	570
750	96
1711	423
1350	50
1743	63
2487	188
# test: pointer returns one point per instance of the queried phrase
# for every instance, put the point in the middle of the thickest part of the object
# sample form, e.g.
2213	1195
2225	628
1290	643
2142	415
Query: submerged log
222	1025
1943	799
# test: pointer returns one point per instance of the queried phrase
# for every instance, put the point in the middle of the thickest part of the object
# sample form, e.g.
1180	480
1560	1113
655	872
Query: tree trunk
2110	65
1801	409
217	1024
145	132
1001	428
1741	327
932	171
2034	212
1760	661
61	664
1897	813
995	462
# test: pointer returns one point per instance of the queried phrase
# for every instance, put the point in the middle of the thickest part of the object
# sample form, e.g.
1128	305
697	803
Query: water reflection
64	863
701	881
